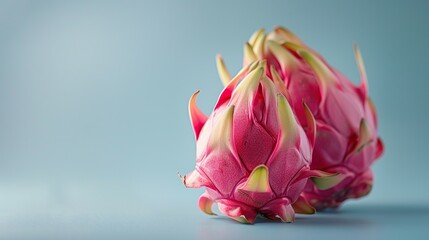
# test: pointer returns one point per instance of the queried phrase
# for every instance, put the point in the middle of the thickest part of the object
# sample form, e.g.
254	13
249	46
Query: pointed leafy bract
259	46
326	182
294	47
224	75
198	119
227	91
237	211
311	124
380	148
256	36
361	66
322	180
286	214
281	88
365	135
302	206
288	35
205	203
286	59
249	54
324	75
288	124
258	180
195	180
222	131
372	111
246	90
279	208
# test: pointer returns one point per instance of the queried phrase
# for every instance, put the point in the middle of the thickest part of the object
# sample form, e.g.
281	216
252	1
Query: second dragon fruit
347	139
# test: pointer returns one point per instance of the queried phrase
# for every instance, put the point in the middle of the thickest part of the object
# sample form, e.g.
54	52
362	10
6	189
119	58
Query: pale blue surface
94	125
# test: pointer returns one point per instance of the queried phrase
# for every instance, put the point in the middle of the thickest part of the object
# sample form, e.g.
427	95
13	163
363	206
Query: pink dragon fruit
253	156
347	141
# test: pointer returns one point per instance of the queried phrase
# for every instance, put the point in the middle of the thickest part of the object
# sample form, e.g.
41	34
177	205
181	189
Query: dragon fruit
347	141
253	156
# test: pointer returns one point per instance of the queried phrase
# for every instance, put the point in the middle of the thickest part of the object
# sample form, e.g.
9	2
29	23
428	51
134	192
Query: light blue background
94	124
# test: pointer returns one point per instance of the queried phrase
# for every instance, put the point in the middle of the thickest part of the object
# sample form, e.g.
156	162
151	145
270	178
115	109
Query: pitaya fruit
347	141
253	156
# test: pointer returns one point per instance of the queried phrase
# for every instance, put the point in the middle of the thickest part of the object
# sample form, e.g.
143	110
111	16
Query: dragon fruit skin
347	141
253	157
